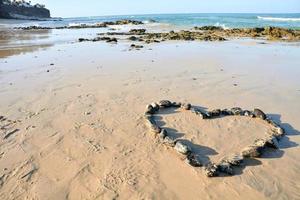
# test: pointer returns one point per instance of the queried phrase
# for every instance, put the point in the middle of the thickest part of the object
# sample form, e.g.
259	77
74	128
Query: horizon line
109	15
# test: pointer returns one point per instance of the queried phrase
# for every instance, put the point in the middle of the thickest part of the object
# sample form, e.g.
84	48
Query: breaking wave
281	19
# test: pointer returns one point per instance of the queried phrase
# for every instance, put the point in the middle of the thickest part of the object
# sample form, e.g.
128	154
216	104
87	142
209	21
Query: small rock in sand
225	167
259	114
163	134
252	151
169	141
165	103
234	160
186	106
150	110
272	142
182	148
211	170
236	111
155	106
193	160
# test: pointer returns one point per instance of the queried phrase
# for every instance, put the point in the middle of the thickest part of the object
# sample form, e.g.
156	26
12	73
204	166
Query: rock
226	112
225	168
163	134
134	38
234	160
236	111
247	113
273	123
193	160
152	124
112	40
186	106
136	46
259	114
137	31
81	39
165	103
216	113
176	104
278	132
260	143
252	152
150	110
272	142
169	141
155	128
155	106
209	28
182	148
211	170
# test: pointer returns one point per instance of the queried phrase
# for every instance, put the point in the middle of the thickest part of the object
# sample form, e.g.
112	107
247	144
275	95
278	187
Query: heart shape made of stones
226	164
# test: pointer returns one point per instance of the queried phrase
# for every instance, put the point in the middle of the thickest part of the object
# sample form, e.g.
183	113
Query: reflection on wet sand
15	42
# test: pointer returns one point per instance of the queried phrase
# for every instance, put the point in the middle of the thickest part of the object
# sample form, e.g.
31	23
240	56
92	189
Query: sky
80	8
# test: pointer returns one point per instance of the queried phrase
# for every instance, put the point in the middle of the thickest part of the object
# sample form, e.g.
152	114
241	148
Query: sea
224	20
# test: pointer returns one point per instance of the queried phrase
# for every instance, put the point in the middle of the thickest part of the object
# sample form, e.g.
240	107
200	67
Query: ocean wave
221	25
282	19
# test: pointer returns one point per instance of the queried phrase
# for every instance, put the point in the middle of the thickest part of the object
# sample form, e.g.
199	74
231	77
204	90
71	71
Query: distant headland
20	9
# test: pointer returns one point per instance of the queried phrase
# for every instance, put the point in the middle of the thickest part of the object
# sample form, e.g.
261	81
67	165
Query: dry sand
80	134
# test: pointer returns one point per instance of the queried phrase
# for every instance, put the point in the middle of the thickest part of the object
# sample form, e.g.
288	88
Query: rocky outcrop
270	33
12	11
82	26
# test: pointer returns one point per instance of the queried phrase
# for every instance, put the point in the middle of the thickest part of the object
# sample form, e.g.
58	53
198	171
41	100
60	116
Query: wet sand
80	134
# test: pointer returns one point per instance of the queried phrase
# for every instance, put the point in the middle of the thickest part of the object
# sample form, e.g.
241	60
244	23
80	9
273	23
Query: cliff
13	11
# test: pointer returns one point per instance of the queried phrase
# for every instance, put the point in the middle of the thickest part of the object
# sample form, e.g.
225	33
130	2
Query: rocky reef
270	33
82	26
211	33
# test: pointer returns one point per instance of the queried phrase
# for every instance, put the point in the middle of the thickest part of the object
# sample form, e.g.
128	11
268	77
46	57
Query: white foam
221	25
282	19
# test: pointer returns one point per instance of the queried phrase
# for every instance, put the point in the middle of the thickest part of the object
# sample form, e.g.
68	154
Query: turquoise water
190	20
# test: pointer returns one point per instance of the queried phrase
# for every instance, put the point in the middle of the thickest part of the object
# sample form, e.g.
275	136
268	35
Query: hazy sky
71	8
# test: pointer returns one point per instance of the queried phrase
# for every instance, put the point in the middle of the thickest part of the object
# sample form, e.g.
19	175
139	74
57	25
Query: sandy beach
73	124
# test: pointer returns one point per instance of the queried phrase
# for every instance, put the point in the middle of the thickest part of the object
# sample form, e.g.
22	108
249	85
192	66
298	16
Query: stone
272	142
186	106
247	113
236	111
137	31
193	160
226	112
260	143
136	46
182	148
150	110
216	112
234	160
165	103
112	40
259	114
155	106
176	104
225	168
169	141
273	123
252	151
211	170
163	134
209	28
278	132
155	128
152	124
